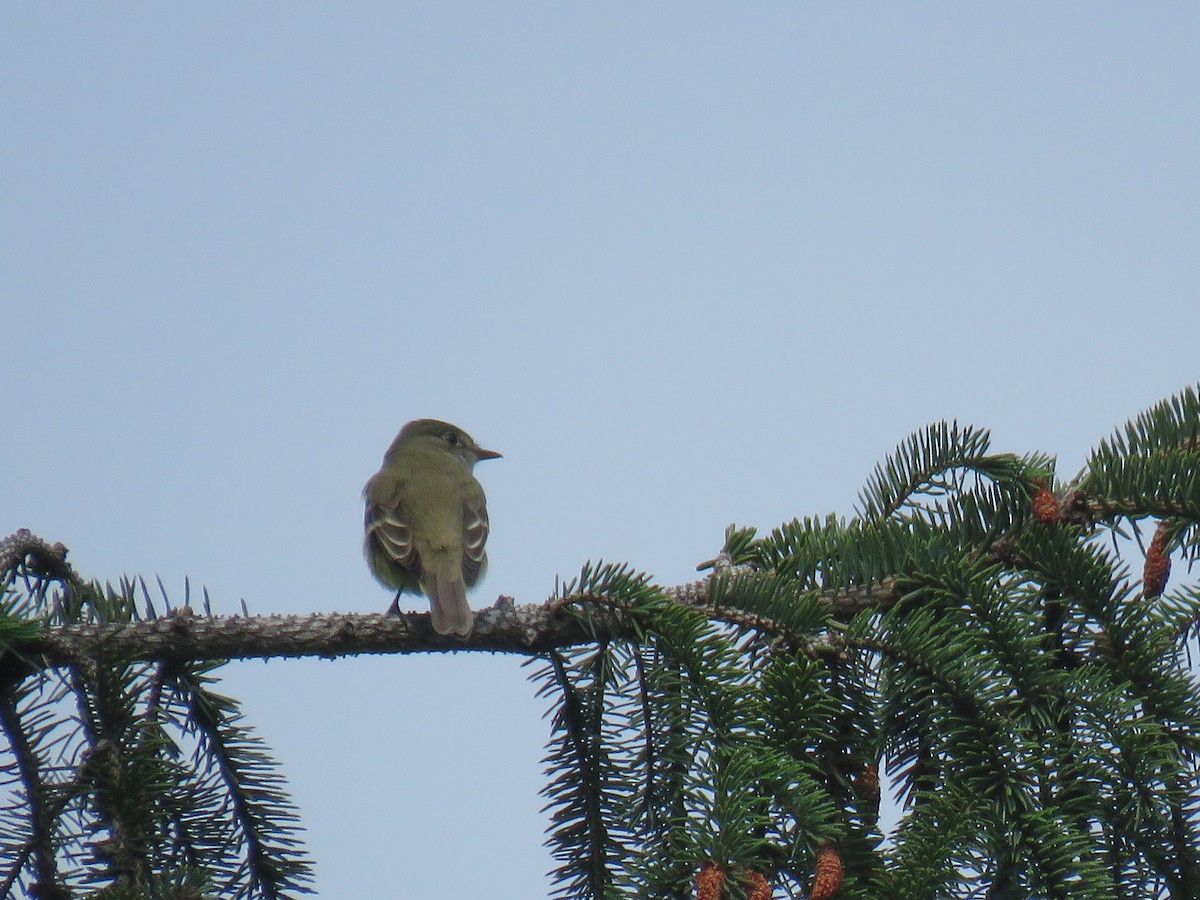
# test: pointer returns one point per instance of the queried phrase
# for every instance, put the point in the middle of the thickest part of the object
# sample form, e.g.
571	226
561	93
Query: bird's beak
488	454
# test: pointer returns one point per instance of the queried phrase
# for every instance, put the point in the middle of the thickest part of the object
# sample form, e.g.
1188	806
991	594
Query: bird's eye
451	438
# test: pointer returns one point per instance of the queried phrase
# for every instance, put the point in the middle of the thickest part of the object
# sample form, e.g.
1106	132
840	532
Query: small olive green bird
427	521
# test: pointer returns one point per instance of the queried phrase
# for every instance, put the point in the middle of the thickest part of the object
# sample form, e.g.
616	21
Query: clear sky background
683	264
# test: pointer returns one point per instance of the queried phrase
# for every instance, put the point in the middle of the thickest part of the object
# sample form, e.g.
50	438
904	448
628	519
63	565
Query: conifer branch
527	630
183	634
39	843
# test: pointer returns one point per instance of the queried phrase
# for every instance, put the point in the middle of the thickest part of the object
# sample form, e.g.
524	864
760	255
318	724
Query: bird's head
435	434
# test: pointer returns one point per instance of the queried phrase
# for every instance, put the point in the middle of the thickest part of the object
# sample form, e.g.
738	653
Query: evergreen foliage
129	780
1031	705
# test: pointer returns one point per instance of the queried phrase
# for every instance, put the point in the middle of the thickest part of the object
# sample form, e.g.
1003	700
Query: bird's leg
394	609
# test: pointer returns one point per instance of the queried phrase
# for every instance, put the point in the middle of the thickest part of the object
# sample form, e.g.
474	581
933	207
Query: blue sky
683	264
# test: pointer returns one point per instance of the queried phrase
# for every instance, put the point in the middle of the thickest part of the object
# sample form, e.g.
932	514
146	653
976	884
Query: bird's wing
475	533
387	523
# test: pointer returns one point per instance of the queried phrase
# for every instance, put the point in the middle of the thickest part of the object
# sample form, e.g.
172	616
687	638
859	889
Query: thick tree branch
185	635
503	627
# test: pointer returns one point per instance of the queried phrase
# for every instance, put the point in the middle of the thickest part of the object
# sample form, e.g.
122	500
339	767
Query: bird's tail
448	604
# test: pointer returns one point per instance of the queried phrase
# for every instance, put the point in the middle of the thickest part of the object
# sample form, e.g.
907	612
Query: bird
426	520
